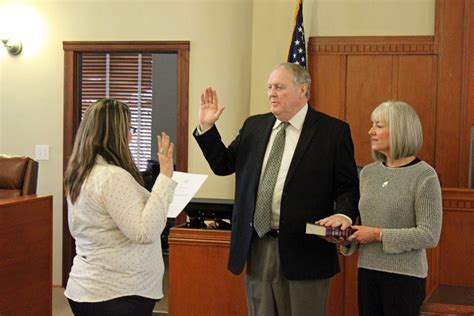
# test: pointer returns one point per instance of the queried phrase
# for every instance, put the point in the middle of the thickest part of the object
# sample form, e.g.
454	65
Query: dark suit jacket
322	172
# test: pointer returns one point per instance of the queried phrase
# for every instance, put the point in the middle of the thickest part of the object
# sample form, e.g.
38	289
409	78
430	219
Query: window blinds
126	77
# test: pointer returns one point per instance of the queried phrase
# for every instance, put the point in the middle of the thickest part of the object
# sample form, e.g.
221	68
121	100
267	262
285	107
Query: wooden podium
26	255
199	282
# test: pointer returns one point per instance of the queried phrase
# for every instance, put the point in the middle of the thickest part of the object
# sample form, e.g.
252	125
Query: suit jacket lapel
309	129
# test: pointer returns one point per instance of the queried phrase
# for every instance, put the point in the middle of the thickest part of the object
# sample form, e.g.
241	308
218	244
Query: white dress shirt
292	135
117	226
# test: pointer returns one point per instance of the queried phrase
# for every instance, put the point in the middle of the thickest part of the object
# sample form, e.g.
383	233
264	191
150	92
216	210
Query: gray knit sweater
406	203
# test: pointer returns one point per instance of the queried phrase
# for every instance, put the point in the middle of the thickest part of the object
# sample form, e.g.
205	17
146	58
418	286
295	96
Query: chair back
18	176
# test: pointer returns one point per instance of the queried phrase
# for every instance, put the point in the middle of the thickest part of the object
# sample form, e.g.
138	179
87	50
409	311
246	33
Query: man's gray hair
300	75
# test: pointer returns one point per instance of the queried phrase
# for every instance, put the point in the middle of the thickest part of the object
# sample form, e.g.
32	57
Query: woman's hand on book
365	234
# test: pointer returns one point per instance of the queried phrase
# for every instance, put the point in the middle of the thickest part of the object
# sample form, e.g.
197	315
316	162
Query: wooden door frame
72	107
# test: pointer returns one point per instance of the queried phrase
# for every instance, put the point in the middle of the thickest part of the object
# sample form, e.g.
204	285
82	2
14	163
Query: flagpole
295	19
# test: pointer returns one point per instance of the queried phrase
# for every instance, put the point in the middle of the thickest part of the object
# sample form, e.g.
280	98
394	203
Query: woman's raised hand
165	154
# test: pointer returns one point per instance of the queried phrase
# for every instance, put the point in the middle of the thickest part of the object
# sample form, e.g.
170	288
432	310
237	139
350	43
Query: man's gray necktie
263	206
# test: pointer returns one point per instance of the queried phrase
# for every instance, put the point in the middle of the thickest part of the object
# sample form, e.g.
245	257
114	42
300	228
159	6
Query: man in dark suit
288	271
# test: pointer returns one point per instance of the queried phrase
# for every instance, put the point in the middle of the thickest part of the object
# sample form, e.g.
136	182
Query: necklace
387	177
399	163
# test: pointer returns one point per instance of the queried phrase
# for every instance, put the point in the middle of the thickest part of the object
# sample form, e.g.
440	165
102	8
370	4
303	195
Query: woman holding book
116	223
400	212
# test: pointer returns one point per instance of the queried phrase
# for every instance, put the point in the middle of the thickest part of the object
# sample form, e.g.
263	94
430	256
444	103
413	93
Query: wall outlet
42	152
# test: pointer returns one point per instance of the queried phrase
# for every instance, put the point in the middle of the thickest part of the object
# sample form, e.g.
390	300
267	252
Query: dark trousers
121	306
389	294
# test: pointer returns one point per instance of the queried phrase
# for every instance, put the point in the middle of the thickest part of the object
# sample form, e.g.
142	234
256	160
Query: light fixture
13	46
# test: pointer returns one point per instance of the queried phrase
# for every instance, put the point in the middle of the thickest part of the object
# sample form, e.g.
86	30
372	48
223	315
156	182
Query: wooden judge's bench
26	244
200	284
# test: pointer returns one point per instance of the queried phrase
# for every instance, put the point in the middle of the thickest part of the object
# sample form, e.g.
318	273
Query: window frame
72	106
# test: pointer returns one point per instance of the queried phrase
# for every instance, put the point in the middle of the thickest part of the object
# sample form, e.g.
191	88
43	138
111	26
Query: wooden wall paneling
328	87
369	82
469	66
395	77
465	133
417	86
352	75
469	87
449	120
366	45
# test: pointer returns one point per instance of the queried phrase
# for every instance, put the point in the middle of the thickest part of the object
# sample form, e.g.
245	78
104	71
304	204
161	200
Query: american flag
297	52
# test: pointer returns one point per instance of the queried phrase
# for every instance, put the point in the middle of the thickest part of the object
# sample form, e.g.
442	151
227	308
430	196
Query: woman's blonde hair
103	131
405	132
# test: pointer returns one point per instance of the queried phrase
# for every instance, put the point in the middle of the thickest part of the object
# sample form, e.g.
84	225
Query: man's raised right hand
209	111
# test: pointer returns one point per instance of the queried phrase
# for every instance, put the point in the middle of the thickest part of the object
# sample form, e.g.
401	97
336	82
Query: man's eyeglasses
133	130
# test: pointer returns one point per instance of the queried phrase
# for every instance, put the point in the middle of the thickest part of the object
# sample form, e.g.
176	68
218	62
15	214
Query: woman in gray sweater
400	210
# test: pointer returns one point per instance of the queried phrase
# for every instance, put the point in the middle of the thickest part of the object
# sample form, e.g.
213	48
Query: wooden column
452	130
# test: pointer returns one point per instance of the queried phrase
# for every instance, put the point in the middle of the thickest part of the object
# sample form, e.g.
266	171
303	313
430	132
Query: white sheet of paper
188	185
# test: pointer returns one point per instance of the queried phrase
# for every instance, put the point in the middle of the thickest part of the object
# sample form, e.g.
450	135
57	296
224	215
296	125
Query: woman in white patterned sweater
116	223
400	210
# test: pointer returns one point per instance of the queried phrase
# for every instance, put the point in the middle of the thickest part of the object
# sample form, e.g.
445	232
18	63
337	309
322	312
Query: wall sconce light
14	47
